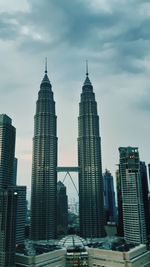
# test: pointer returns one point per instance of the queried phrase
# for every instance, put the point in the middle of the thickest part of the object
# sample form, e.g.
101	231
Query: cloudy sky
114	35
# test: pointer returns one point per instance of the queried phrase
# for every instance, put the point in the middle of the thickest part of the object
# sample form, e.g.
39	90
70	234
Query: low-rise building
135	257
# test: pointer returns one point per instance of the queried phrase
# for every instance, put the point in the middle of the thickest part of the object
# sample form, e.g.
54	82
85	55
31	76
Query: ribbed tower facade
91	207
132	196
44	174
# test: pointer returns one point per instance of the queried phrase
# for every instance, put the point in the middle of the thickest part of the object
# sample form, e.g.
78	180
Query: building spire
45	65
87	80
87	72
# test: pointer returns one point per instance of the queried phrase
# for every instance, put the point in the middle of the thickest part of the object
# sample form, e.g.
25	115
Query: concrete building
53	258
132	196
73	251
44	163
91	206
135	257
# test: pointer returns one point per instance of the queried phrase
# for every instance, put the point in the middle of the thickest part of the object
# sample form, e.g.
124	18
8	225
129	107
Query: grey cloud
8	30
143	102
64	25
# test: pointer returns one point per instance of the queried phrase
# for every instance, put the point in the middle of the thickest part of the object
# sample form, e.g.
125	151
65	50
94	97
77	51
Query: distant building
62	209
109	197
8	207
120	231
132	196
91	206
144	180
44	163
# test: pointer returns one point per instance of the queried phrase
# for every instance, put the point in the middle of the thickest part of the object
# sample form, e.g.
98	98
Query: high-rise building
21	214
62	208
132	196
8	206
7	148
44	173
109	197
144	180
120	231
15	171
8	195
91	206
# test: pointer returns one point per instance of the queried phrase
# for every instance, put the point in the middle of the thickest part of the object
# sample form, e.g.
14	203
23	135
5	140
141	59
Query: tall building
62	209
91	206
21	213
8	195
120	231
144	180
8	207
132	196
15	171
7	148
44	174
109	197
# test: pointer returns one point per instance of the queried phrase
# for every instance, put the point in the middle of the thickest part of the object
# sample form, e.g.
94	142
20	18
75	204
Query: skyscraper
120	230
7	148
91	206
44	174
8	195
132	196
144	180
21	213
109	197
8	206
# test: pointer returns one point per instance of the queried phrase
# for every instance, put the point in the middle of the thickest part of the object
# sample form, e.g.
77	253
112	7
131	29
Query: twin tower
44	166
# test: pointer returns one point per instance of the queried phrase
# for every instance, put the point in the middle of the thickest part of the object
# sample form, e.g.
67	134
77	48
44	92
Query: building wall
137	257
50	259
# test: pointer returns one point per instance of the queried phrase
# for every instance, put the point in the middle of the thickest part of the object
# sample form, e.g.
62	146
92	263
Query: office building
109	197
62	209
8	206
120	231
144	181
8	194
7	148
44	162
91	206
132	196
21	214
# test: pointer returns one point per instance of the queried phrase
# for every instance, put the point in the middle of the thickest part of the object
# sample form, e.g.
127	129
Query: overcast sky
114	35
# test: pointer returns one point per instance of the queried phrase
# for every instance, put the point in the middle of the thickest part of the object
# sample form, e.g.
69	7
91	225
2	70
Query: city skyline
118	53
